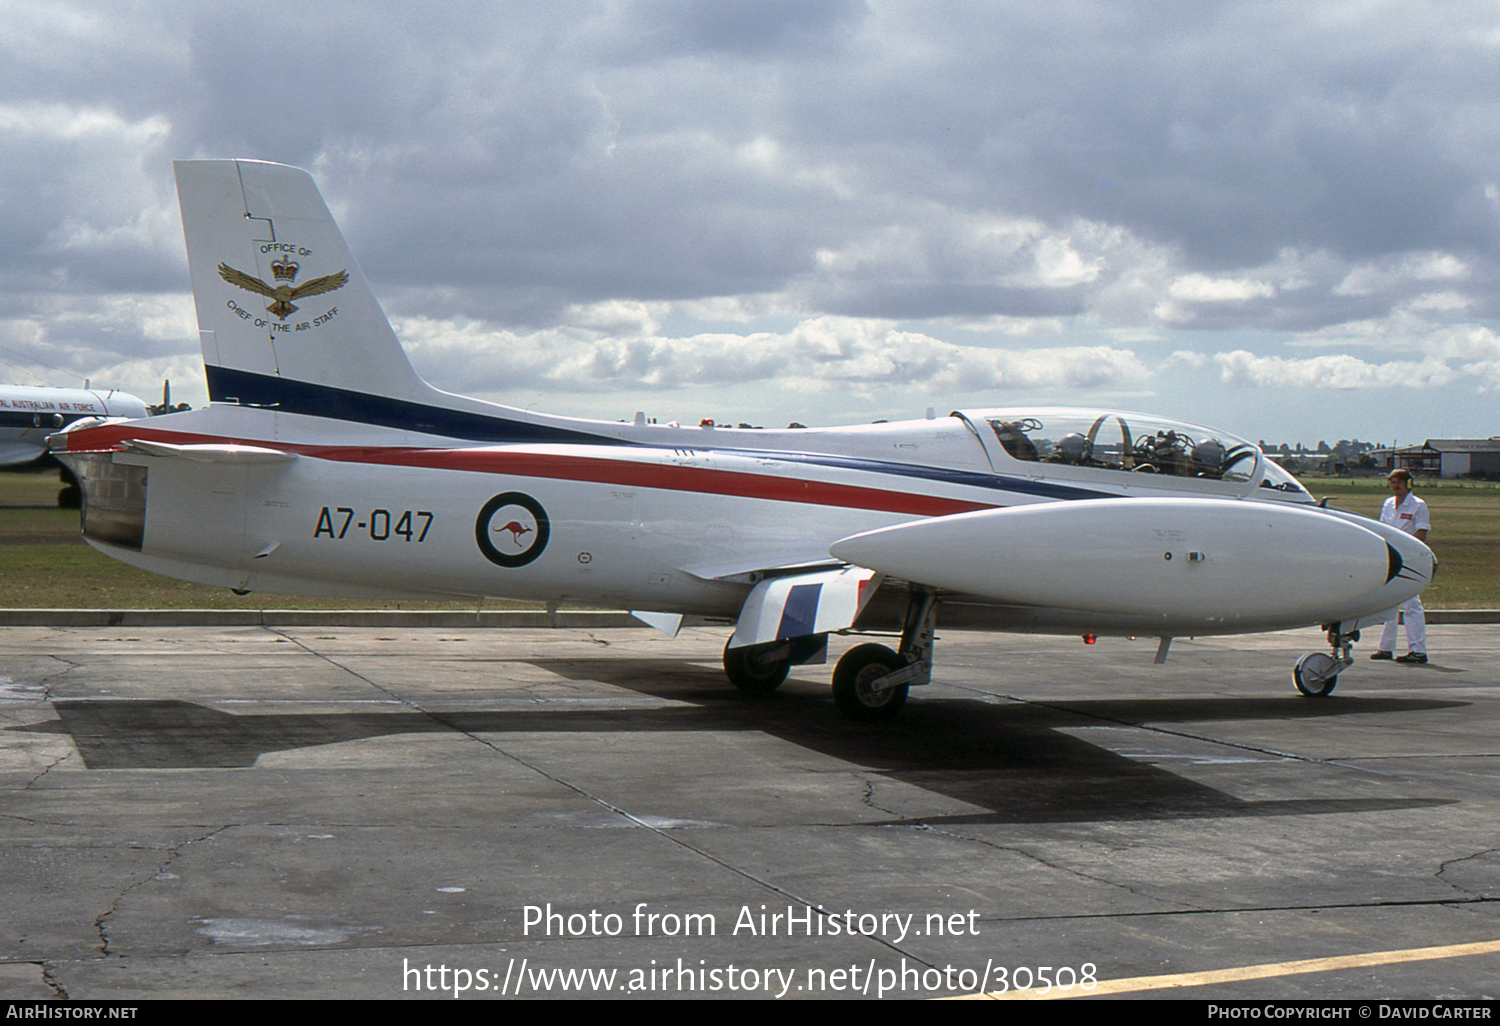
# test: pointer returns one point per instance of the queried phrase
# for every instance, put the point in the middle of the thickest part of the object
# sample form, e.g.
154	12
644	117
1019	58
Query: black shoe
1381	653
1412	657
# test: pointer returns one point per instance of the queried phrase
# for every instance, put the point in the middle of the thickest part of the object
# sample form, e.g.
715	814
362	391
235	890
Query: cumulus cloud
1336	372
1186	358
825	354
1427	356
1199	288
1461	342
1369	278
1487	373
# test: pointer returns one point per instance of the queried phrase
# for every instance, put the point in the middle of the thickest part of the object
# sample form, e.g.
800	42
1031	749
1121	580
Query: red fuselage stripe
597	470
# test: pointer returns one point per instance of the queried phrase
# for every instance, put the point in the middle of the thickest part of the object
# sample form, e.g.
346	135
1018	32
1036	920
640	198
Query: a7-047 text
379	524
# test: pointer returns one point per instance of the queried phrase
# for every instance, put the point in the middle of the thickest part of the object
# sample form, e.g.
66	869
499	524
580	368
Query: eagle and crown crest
281	296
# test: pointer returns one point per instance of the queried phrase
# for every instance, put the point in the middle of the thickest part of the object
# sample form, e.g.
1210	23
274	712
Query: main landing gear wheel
1316	674
859	668
758	669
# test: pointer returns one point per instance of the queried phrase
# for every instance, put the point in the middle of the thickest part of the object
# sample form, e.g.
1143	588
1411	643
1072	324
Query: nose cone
1412	565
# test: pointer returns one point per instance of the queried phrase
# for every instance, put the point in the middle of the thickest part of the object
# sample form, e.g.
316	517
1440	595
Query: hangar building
1445	457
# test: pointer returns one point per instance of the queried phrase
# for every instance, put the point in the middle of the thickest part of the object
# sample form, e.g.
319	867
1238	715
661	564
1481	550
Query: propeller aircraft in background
29	413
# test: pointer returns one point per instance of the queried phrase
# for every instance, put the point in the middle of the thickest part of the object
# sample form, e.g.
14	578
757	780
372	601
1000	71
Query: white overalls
1411	517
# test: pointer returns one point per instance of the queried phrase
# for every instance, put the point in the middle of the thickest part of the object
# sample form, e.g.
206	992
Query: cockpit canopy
1136	444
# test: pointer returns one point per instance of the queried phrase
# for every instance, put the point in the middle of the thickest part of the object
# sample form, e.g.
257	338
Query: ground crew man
1405	511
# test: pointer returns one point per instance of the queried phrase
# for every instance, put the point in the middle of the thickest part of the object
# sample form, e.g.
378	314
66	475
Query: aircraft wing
752	569
802	604
19	454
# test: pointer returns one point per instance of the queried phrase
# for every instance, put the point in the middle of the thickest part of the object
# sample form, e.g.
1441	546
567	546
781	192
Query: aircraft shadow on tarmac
1014	759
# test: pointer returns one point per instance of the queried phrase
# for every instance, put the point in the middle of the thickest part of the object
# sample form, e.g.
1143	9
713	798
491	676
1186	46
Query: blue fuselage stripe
284	395
287	396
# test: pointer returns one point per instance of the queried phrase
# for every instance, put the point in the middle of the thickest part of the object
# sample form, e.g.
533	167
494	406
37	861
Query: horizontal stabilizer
211	453
803	604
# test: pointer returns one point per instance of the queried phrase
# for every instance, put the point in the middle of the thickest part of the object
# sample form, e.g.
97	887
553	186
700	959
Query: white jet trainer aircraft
325	466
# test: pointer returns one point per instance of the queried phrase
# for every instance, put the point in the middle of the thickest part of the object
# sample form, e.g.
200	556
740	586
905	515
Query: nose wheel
1316	674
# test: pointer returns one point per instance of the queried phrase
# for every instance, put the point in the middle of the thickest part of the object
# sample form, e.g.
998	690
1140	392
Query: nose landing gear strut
1316	673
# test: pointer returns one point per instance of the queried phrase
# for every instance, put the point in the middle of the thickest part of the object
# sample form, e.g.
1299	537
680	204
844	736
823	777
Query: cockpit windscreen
1279	479
1128	442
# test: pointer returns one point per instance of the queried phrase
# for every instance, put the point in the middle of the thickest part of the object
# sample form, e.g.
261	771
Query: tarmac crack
50	980
64	757
101	924
1443	868
45	681
869	796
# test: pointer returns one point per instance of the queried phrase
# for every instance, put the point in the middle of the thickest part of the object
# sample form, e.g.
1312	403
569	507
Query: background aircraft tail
285	315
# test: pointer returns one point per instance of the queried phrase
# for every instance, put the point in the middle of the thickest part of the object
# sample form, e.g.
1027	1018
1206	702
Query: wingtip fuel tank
1194	564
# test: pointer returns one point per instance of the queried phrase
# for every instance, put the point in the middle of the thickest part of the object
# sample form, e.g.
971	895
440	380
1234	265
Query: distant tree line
1347	455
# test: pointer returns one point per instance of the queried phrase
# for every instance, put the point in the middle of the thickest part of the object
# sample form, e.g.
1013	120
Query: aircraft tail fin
285	316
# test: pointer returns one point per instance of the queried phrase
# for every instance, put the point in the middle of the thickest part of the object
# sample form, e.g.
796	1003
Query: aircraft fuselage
690	529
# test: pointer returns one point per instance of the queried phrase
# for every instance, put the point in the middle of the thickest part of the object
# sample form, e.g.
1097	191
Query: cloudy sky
1282	218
